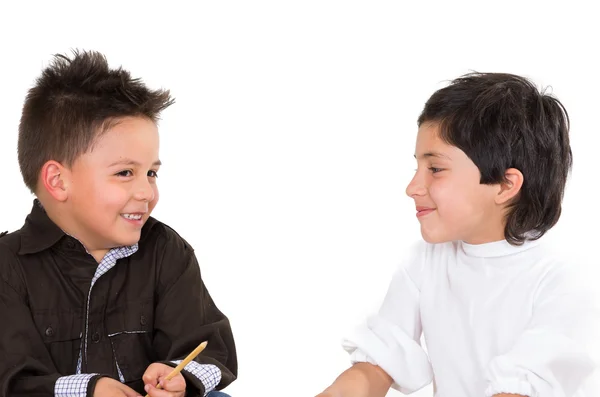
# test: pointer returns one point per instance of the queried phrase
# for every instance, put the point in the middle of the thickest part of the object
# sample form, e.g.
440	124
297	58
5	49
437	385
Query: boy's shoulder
156	233
421	255
171	253
10	243
567	264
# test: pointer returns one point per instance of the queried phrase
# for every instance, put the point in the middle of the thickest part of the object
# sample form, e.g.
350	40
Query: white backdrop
290	145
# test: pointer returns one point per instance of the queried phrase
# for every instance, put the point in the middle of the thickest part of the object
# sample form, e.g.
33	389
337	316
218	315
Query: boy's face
451	204
112	188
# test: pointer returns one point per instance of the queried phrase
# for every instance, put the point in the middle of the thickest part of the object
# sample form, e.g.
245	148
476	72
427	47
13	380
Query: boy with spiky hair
99	298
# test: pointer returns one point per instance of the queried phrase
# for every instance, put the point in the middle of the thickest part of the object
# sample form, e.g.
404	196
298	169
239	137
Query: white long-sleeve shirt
495	318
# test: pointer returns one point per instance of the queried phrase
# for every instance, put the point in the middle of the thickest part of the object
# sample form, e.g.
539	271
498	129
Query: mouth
422	211
133	216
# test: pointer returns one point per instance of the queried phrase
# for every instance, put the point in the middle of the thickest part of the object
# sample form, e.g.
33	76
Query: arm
386	350
509	395
186	315
360	380
554	355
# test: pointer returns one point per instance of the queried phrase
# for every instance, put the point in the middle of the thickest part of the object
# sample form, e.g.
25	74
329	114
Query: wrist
91	388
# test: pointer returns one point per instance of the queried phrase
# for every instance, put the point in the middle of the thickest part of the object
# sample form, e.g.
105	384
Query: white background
290	145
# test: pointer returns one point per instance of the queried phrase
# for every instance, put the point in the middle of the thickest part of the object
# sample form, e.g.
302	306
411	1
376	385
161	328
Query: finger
177	384
154	392
150	378
153	374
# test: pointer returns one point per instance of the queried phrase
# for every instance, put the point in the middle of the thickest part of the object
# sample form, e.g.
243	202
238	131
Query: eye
435	170
153	174
125	173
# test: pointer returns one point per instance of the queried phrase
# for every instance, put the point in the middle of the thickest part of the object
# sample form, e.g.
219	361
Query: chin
127	241
432	238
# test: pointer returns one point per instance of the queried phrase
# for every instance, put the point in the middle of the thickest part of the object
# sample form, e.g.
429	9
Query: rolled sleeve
391	338
388	346
209	375
555	355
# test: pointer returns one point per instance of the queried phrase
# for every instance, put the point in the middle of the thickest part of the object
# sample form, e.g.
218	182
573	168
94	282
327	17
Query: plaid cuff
72	385
208	374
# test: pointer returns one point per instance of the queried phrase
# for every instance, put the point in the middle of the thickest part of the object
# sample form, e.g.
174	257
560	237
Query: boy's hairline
101	128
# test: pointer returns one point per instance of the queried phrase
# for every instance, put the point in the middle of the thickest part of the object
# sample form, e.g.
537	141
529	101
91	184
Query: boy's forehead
126	161
429	143
128	143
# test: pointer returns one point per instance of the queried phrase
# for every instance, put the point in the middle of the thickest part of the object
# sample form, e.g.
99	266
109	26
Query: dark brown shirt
150	307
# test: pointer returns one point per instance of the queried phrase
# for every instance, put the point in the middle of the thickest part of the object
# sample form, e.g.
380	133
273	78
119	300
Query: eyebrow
132	162
433	154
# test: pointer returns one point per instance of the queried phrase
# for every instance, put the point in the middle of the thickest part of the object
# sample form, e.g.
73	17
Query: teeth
132	216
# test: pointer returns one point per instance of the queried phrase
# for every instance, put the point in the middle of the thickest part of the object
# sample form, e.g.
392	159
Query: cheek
109	197
84	192
453	200
445	194
153	203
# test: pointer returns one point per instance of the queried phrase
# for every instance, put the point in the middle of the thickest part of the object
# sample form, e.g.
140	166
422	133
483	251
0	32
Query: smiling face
451	203
111	190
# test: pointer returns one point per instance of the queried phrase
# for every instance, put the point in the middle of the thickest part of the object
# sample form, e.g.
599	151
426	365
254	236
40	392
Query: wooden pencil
185	362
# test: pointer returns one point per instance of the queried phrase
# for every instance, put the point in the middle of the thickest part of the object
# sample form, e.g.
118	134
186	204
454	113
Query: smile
424	211
133	217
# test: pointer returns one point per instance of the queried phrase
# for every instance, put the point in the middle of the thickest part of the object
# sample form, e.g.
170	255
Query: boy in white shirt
501	315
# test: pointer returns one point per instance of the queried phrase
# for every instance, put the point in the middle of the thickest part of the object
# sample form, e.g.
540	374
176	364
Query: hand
107	387
328	393
509	395
155	374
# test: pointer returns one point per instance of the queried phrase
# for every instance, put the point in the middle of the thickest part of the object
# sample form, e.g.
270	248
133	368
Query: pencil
185	362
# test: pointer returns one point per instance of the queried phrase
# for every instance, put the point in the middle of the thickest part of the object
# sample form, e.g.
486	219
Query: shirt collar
40	233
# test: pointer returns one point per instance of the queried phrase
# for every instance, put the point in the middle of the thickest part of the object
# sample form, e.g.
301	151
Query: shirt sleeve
208	374
26	368
555	354
391	338
80	385
185	316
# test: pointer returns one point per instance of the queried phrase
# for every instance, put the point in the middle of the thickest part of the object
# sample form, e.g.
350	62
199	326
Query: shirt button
49	331
96	337
70	244
143	320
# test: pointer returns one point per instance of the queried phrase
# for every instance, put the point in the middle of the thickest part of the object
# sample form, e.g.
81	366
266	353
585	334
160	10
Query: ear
53	179
513	181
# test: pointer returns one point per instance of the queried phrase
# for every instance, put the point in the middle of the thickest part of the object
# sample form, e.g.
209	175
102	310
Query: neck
490	230
487	236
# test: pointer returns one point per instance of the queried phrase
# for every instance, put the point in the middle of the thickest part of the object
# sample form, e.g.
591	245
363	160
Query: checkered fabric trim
209	374
107	263
72	385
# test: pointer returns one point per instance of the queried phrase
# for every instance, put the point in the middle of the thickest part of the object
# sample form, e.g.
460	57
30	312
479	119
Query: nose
417	186
144	190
